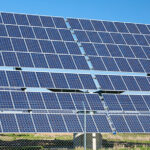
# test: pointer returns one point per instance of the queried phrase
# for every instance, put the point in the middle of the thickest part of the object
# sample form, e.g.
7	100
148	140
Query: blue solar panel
143	83
110	64
73	48
147	100
21	19
47	21
15	79
125	102
147	38
80	62
8	123
5	44
138	102
25	59
114	50
147	51
110	26
106	38
126	51
59	22
6	101
53	34
50	100
98	25
104	82
143	29
90	126
132	28
10	59
46	46
117	82
27	32
57	123
112	102
13	31
8	18
3	30
118	39
141	40
66	101
25	123
121	27
20	100
123	65
130	40
1	61
60	47
86	24
89	49
59	80
87	81
19	44
138	52
73	81
72	123
97	63
67	62
94	37
30	79
135	65
34	20
41	123
145	120
33	45
101	49
35	100
40	33
131	83
39	60
80	101
102	123
119	123
94	101
44	79
66	35
74	23
133	123
53	61
81	36
3	79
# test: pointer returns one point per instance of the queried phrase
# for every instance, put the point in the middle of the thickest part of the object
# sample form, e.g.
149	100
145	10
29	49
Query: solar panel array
72	59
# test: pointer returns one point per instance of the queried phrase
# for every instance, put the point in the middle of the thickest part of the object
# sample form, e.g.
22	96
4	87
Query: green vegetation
41	141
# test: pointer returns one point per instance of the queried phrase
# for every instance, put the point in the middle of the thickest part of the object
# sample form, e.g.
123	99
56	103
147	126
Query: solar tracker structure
52	69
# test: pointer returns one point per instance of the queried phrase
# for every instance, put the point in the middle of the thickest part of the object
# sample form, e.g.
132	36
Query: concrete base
93	140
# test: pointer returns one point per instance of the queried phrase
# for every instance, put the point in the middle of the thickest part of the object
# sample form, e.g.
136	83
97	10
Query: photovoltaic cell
132	28
47	21
86	24
94	37
34	20
40	33
66	35
8	18
109	26
143	28
121	27
130	40
141	40
98	25
53	34
120	123
5	44
101	49
118	39
59	22
3	79
3	30
89	49
21	19
145	64
19	44
27	32
106	38
81	36
74	23
13	31
45	79
145	120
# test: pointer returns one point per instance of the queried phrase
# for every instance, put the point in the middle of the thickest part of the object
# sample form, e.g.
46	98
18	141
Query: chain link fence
65	141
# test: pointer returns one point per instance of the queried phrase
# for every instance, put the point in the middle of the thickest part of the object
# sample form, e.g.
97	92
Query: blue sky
137	11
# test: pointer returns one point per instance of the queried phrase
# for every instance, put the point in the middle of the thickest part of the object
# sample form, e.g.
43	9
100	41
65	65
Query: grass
117	142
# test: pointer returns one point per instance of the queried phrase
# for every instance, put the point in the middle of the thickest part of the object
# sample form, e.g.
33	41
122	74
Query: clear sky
137	11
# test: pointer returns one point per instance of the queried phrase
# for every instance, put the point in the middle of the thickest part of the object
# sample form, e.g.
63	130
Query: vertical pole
84	126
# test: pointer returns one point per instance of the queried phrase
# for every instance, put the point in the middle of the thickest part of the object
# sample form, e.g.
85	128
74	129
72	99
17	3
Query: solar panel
21	19
40	33
3	31
8	18
145	119
47	21
13	31
86	24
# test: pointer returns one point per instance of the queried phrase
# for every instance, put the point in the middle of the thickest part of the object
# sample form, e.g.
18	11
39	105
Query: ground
40	141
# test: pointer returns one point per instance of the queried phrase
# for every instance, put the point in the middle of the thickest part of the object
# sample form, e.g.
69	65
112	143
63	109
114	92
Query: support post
84	126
